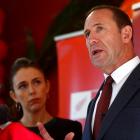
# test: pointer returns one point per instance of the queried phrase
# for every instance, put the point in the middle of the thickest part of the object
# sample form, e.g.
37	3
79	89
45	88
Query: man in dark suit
109	34
109	39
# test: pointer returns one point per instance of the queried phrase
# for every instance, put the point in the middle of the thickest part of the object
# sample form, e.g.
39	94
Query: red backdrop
78	78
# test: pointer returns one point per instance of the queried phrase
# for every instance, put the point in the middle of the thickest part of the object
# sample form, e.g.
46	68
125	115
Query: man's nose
92	40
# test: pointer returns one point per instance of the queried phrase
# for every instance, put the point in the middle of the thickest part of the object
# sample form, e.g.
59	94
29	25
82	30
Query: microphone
4	114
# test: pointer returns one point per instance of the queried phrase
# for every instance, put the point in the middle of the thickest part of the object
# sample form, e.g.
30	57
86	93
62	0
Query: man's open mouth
95	52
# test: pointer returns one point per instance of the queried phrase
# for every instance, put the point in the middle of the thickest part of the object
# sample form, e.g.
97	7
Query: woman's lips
34	101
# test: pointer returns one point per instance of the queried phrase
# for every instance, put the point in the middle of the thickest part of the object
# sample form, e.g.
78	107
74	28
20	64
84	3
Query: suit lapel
87	134
127	91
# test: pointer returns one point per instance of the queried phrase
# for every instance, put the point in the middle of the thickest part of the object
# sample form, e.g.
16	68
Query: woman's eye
22	87
37	82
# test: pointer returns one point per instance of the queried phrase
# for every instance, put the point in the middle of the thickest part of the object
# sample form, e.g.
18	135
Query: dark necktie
102	105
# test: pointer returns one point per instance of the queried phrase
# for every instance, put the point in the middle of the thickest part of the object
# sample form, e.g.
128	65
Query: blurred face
30	89
104	40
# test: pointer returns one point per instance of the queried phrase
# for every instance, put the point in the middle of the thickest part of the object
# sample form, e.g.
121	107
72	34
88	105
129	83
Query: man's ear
13	96
126	33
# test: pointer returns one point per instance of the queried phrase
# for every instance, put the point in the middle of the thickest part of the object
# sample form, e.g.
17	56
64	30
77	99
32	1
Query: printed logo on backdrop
79	102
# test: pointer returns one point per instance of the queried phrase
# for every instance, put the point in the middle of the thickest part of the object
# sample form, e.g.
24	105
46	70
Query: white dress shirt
119	76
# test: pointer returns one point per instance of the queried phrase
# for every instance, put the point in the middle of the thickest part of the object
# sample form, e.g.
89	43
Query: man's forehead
98	16
100	12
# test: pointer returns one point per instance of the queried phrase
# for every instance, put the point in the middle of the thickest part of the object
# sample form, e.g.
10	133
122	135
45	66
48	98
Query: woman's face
30	89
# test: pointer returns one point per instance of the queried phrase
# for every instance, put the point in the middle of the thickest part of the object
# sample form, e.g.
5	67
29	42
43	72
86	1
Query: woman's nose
31	90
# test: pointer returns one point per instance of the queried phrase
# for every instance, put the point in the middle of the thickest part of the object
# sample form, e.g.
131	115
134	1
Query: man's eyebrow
97	24
87	31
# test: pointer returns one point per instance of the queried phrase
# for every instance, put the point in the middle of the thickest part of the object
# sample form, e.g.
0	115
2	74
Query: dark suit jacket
122	121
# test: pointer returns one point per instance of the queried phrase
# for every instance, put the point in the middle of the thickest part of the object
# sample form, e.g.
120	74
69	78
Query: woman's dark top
58	128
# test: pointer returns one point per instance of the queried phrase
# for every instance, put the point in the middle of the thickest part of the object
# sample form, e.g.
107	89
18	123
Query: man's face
103	39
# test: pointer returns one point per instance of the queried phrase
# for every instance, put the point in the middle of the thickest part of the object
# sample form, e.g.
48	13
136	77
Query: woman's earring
19	111
18	107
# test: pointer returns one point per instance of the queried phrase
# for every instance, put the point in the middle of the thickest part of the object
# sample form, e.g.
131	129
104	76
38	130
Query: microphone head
4	114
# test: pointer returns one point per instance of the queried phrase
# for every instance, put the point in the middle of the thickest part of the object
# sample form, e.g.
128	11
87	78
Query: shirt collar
124	69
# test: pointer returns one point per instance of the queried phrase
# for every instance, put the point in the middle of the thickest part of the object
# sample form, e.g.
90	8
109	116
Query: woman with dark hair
30	88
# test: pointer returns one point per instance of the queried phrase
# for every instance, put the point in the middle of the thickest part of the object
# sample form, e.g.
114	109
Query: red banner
78	79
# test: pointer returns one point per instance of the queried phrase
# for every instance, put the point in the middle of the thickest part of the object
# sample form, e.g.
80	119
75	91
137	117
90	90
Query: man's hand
69	136
46	135
44	132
